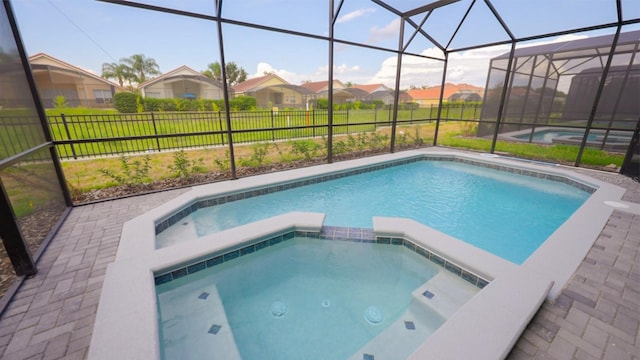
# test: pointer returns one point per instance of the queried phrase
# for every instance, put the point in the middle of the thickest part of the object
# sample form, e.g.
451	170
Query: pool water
300	299
507	214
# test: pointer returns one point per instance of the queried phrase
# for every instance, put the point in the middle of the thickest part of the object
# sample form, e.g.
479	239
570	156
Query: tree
118	71
213	71
235	74
141	67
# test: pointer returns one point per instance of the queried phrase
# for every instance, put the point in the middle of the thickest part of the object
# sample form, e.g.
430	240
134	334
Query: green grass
565	154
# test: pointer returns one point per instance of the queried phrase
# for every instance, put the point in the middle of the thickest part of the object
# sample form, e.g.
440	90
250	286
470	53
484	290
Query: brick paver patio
596	317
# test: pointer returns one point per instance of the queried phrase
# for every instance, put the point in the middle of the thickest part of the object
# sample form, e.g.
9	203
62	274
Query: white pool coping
486	327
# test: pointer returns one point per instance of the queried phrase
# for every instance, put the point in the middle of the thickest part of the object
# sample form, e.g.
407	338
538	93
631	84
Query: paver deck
597	315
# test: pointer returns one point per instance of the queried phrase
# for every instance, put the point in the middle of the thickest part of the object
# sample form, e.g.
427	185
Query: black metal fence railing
79	136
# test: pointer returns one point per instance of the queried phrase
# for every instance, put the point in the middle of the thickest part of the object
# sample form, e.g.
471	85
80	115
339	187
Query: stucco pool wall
127	310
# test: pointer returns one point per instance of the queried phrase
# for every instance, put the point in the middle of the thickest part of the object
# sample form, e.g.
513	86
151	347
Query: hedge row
126	102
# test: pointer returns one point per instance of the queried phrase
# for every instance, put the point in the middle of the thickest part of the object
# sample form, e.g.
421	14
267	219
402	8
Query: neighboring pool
505	213
304	299
616	140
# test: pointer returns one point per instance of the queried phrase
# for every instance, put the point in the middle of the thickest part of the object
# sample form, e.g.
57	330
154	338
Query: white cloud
265	68
340	72
355	14
388	31
469	67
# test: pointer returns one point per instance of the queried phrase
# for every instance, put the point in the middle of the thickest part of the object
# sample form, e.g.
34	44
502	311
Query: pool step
445	293
402	337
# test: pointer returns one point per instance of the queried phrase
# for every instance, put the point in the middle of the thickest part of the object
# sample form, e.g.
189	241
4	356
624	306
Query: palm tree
120	72
141	67
213	71
235	74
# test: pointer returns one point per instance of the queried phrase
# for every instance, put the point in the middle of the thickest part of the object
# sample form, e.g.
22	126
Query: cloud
388	31
471	67
339	72
355	14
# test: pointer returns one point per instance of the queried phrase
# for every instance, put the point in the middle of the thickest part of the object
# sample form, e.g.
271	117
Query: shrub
307	148
243	103
184	168
59	102
125	102
131	173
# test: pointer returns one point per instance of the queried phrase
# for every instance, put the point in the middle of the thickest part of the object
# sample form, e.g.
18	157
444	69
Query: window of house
103	96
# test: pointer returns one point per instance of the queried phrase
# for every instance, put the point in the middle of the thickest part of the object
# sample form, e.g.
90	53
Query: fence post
313	122
411	105
375	117
66	129
347	120
273	125
155	131
221	128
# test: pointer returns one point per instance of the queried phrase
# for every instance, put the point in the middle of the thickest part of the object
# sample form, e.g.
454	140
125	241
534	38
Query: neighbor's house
182	83
452	92
341	93
54	77
383	93
273	91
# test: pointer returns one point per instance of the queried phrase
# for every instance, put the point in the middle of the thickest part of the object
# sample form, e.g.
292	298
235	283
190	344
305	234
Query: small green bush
130	174
125	102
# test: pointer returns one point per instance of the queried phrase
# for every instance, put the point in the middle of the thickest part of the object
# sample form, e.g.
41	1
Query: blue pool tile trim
222	199
333	233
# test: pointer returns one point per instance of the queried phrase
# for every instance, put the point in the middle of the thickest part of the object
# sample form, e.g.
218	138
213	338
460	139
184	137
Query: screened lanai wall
554	92
33	199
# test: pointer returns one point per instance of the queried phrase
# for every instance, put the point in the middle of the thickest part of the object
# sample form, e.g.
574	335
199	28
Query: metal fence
79	136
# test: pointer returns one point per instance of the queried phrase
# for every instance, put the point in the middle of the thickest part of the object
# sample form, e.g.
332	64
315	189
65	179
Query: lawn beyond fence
78	136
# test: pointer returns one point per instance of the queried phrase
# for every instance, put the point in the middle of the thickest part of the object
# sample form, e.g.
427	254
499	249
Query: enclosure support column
225	87
596	100
12	239
332	20
396	91
439	113
503	97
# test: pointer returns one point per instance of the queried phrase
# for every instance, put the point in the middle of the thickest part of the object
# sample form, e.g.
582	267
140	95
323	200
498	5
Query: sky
89	33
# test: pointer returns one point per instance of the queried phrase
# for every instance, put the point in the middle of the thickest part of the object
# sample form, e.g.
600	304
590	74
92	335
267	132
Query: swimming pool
615	140
127	314
332	296
507	214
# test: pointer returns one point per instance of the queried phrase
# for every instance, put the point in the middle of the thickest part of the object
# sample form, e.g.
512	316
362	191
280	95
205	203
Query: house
182	82
452	92
54	77
321	89
273	91
371	88
382	93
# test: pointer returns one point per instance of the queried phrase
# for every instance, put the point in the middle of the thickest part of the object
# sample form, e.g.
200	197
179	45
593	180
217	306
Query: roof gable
319	86
46	59
180	71
256	82
371	88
